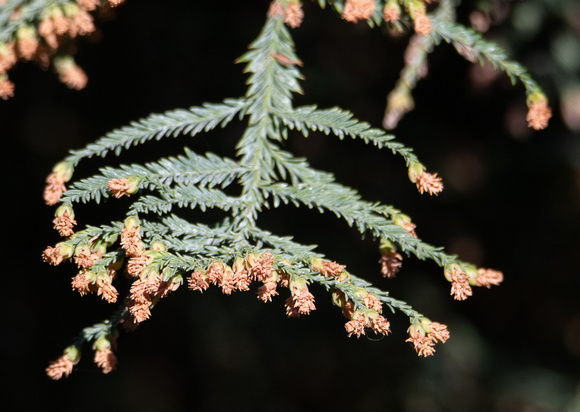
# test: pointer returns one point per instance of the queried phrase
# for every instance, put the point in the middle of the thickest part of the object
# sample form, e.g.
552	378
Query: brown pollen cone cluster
391	263
259	268
62	367
424	337
292	13
430	183
539	113
47	39
355	10
54	188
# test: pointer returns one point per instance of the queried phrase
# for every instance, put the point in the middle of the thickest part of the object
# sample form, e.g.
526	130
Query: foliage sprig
160	251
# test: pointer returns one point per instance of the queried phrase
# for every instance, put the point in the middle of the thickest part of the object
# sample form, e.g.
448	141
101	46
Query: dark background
511	202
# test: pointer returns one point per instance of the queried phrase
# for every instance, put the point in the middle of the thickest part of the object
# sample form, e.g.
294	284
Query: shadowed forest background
511	202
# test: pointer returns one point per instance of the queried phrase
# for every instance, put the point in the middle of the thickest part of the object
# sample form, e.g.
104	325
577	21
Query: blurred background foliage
511	202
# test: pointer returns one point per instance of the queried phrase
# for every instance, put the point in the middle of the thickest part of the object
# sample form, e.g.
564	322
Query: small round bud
65	210
386	247
101	343
64	170
298	283
316	264
158	246
471	272
131	222
66	250
361	292
74	353
338	298
415	170
133	184
450	268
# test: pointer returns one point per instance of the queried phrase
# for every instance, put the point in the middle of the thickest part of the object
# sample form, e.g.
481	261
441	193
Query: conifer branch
341	123
476	47
345	203
191	169
170	124
283	244
271	85
158	249
178	226
105	328
189	197
89	232
28	12
197	239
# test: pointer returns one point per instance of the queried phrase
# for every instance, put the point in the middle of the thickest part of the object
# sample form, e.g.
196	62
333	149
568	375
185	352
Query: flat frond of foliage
162	250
